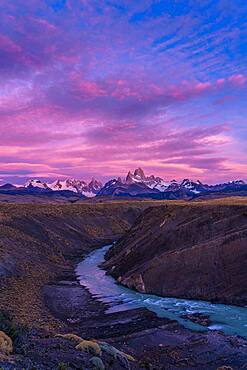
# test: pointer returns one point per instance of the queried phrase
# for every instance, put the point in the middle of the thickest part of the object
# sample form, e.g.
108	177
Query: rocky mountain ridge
77	186
136	184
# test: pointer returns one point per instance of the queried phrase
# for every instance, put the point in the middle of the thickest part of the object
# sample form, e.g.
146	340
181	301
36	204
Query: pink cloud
8	45
237	79
201	86
87	90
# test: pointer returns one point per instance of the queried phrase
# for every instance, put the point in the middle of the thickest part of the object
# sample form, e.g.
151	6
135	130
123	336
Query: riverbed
232	320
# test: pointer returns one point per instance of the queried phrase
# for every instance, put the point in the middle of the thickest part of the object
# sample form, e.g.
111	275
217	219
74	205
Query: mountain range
136	184
89	190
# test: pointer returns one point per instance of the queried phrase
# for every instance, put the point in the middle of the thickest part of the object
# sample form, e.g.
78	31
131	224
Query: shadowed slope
192	251
39	242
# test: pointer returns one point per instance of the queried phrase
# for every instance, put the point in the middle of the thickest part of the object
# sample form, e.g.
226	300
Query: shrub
73	337
6	344
89	346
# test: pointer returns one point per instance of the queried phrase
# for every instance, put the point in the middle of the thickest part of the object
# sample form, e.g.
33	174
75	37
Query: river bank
42	297
232	320
38	243
155	343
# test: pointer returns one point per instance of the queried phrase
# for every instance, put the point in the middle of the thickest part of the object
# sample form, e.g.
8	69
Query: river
231	320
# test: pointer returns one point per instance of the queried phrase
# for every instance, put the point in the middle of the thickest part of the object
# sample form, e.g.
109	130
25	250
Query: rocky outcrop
99	348
192	251
6	345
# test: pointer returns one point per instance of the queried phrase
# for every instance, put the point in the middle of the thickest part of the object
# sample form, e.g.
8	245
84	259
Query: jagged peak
139	173
129	178
94	182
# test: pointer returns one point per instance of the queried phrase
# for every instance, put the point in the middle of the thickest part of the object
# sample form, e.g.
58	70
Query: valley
40	294
123	186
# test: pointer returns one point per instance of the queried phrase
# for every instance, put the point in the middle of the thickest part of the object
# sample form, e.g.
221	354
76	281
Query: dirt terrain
39	242
40	297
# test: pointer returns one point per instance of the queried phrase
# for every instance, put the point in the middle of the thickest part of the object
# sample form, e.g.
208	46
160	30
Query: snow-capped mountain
117	187
77	186
195	187
35	183
136	184
150	181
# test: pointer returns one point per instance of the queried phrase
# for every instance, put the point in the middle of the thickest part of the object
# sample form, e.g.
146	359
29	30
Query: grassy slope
39	242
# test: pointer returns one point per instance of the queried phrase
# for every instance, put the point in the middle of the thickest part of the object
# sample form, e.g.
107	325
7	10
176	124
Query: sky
94	88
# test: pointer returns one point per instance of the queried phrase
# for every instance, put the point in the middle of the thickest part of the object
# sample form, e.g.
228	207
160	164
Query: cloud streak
98	88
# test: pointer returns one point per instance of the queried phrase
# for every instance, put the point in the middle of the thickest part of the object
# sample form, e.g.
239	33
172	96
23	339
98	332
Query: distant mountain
139	185
7	187
152	182
136	184
119	188
77	186
36	184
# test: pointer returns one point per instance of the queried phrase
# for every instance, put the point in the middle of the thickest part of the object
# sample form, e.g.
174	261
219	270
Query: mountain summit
136	184
150	181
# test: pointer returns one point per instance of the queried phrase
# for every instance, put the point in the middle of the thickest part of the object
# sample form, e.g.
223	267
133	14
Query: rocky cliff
193	251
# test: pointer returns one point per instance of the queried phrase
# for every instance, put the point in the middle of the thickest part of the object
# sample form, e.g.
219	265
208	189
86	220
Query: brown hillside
39	242
193	250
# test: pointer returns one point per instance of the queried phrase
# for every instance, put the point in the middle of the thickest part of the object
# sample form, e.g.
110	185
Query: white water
230	319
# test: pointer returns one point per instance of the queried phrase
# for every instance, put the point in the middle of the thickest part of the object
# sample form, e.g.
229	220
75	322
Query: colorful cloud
98	88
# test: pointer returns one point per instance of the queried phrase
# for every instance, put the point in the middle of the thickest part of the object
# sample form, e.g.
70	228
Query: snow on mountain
147	184
36	184
94	186
137	183
195	187
160	185
69	184
150	181
74	185
237	182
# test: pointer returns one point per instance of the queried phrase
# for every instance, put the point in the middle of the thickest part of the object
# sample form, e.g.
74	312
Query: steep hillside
197	250
39	242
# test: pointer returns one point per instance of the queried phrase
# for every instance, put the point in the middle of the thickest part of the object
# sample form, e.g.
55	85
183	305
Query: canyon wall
197	250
